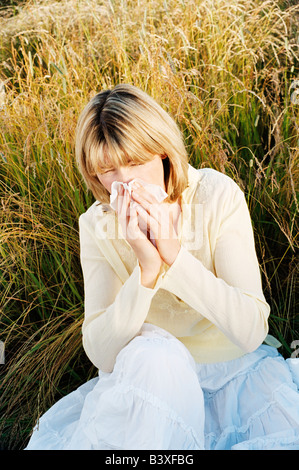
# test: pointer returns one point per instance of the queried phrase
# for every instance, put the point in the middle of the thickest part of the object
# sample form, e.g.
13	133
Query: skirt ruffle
158	398
251	402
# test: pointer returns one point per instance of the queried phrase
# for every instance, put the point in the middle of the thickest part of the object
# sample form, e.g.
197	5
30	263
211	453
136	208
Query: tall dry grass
225	70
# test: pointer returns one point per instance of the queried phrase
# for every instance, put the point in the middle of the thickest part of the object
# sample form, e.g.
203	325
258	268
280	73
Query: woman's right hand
148	256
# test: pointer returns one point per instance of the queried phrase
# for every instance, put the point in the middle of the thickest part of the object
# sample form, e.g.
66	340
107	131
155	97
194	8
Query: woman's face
150	172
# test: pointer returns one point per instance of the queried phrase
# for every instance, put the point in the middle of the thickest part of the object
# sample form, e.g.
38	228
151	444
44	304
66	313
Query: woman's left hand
159	220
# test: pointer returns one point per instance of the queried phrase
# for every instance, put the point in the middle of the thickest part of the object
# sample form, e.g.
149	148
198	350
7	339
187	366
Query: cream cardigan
211	297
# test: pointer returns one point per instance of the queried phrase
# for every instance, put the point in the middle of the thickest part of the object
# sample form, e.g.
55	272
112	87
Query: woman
175	315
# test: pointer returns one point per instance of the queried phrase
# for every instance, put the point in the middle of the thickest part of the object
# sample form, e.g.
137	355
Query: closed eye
108	170
135	164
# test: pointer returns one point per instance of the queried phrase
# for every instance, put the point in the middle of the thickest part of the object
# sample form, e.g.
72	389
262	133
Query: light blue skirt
158	398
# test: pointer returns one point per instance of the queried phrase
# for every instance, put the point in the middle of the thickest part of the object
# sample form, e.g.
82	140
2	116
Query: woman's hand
159	218
148	256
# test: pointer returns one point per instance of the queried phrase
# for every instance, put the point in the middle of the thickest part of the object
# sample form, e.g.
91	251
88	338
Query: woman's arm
114	312
232	299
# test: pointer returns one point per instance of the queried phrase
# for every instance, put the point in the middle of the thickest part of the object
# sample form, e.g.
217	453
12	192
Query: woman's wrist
149	276
172	251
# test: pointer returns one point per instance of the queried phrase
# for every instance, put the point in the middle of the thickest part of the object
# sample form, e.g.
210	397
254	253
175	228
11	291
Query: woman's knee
157	352
157	362
162	368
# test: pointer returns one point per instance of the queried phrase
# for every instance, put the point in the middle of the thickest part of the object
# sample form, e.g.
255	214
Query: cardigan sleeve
232	298
114	311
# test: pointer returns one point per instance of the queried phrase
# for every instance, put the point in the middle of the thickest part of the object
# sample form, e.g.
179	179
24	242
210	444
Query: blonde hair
125	125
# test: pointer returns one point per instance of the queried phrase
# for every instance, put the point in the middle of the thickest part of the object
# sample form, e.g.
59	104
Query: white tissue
154	189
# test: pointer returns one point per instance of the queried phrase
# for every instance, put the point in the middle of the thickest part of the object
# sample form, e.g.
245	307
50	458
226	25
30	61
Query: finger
140	192
120	192
123	202
152	207
151	222
160	223
132	214
133	228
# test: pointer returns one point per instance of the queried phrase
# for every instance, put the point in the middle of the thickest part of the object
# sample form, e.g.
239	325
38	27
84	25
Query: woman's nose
125	174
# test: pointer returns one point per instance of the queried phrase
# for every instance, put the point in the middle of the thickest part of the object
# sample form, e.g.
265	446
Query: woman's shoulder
96	211
211	184
214	178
